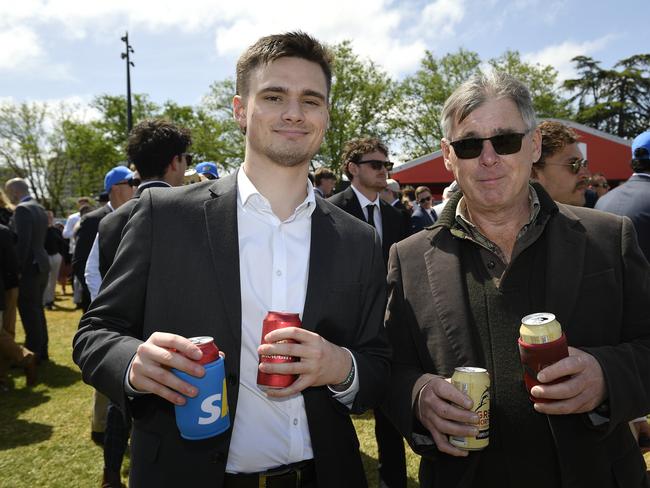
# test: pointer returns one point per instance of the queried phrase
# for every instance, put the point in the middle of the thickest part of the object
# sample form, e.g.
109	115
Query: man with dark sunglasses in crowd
366	164
561	169
503	249
423	215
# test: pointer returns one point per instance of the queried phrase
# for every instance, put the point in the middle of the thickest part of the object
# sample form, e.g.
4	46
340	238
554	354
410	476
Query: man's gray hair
479	89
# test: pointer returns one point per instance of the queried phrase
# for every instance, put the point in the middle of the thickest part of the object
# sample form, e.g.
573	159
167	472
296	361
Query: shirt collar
363	200
249	195
26	198
148	183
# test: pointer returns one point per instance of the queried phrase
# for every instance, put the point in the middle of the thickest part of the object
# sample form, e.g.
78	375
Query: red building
606	154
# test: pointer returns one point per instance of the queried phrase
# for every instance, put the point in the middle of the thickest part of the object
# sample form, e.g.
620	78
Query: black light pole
129	63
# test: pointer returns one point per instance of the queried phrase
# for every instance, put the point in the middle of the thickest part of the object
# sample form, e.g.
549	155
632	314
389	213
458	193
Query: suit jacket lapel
221	224
449	295
565	233
323	240
352	205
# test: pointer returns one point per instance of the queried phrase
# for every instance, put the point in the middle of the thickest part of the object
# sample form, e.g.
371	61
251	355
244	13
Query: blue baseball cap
207	167
641	146
116	175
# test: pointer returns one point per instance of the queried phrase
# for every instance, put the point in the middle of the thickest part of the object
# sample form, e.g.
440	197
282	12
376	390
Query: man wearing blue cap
207	171
632	198
117	185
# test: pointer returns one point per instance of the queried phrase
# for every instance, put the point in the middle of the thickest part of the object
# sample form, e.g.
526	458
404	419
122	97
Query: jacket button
232	379
490	264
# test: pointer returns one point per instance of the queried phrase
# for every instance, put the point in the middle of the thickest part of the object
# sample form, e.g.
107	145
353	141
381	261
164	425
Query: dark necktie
371	214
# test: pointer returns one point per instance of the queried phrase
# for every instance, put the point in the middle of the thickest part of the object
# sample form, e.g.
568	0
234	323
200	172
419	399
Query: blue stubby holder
205	415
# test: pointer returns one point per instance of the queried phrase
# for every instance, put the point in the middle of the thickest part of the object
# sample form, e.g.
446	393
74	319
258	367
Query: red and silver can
274	321
208	348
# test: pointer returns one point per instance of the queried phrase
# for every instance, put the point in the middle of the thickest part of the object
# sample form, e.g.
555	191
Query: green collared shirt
492	256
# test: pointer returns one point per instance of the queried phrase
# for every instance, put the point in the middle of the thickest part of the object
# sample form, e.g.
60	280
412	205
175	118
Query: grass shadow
52	374
23	433
16	432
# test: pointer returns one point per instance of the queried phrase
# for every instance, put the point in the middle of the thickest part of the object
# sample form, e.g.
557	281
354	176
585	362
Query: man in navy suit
423	215
632	198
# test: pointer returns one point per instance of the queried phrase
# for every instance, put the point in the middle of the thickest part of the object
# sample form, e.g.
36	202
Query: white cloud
20	48
559	55
441	16
393	34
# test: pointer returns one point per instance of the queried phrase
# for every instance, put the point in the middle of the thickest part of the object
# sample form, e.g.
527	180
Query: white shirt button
278	273
295	421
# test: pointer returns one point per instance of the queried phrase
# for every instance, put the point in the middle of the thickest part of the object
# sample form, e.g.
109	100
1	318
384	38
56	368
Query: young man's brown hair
290	44
555	136
323	173
354	150
420	190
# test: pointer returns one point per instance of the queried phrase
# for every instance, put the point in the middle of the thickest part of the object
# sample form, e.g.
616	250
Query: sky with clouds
69	50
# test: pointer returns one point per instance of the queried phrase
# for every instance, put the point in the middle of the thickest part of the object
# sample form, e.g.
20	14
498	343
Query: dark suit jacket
177	270
631	199
420	219
394	223
111	227
30	224
598	288
85	237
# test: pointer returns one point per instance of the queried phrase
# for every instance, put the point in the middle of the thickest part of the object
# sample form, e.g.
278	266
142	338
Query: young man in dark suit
365	162
30	225
212	259
503	249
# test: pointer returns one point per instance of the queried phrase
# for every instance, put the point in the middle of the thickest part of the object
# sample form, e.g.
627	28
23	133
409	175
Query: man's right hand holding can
150	368
444	410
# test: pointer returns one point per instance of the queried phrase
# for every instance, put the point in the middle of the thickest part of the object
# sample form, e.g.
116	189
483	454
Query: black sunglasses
503	144
424	199
376	164
575	165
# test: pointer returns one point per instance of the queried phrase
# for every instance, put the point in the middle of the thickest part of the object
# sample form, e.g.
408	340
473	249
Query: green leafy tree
362	100
215	135
423	95
614	100
112	121
541	81
24	144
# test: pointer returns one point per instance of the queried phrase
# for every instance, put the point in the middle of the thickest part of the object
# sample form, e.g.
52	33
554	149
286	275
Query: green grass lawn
45	431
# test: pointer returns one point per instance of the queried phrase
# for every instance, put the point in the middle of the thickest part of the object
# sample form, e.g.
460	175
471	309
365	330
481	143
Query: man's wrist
349	379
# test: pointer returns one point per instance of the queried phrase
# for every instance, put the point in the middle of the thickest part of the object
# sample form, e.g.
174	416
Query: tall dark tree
614	100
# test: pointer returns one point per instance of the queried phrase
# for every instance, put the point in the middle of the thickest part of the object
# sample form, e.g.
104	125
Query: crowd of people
394	290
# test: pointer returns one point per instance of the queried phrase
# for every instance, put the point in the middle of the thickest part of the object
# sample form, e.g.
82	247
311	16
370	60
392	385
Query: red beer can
208	348
274	321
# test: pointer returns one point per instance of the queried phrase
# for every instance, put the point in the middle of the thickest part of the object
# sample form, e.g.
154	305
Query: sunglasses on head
376	164
575	165
503	144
